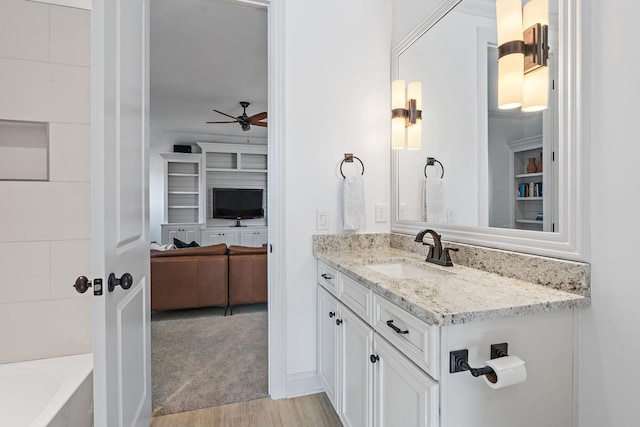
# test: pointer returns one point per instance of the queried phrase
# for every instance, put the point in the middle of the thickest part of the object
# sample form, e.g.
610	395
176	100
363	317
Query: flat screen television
237	203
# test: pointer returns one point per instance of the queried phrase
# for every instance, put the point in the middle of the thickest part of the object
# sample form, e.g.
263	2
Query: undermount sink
400	268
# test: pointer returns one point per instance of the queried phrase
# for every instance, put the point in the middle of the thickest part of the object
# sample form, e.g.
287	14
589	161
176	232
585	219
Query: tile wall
45	226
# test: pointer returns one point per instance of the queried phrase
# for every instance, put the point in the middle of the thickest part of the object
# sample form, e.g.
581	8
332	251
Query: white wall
337	101
45	226
609	337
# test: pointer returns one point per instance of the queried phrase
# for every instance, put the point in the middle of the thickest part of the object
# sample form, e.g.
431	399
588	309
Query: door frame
276	209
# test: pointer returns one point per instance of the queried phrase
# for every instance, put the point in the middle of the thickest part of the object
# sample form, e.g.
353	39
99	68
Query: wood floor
306	411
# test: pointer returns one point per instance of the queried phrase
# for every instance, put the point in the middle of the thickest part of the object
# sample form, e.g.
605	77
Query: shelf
184	192
528	198
529	175
184	174
183	207
529	221
236	170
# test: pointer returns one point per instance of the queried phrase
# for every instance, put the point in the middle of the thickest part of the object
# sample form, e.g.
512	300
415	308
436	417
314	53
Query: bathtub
47	393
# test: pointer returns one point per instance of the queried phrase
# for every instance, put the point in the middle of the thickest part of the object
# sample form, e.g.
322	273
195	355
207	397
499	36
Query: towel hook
431	161
348	157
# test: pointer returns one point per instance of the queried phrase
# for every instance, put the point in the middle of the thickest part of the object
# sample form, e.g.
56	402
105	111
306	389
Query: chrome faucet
437	254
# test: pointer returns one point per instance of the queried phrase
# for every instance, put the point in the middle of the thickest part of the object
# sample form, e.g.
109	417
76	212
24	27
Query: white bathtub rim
71	370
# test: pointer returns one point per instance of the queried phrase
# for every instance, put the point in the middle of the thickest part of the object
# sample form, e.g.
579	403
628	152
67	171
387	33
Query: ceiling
207	54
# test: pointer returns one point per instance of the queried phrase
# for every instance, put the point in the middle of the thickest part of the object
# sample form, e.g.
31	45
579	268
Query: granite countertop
449	295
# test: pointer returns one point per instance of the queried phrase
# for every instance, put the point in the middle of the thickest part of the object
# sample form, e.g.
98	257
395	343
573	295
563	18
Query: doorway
205	55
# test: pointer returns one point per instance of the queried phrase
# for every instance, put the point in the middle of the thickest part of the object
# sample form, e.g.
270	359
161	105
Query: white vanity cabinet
368	381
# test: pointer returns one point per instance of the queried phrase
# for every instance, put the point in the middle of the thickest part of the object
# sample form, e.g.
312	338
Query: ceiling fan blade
225	114
258	117
235	121
261	124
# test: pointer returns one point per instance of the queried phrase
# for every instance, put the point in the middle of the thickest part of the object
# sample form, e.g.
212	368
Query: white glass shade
510	67
398	100
535	90
414	132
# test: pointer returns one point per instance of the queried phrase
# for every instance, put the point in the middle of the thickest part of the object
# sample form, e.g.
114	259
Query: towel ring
431	161
349	159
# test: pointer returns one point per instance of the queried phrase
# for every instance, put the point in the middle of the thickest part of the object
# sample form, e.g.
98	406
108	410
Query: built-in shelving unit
189	180
529	197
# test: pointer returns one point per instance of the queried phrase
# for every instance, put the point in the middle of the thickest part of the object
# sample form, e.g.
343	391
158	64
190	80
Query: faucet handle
445	258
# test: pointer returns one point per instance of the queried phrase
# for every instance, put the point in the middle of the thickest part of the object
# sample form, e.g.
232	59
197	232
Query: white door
120	214
356	370
404	394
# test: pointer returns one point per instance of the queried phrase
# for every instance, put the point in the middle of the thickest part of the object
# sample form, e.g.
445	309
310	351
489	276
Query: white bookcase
189	180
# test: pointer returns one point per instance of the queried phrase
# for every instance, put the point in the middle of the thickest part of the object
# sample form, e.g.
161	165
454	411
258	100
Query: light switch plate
381	212
402	212
322	220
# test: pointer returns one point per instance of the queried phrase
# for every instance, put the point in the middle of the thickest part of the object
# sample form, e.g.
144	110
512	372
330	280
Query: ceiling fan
244	120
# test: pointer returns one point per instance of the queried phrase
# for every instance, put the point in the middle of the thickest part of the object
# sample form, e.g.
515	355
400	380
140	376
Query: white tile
69	260
44	92
38	211
69	152
24	30
37	330
26	271
70	36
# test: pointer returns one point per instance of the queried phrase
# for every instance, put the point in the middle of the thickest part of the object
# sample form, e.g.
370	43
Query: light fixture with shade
523	52
406	115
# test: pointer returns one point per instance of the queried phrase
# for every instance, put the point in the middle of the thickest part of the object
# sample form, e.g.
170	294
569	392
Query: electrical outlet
381	212
402	212
322	220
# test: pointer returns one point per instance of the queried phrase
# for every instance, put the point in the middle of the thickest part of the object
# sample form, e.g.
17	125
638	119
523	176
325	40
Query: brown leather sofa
189	278
247	275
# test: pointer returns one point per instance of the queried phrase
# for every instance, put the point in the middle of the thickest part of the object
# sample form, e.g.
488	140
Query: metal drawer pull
395	328
326	276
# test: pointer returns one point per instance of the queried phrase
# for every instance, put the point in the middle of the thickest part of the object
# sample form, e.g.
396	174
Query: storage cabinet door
328	344
214	237
356	376
404	394
254	238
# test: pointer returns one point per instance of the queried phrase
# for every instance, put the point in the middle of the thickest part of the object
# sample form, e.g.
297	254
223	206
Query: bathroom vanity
387	322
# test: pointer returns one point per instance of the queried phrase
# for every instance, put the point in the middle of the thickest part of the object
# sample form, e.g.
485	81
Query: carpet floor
201	358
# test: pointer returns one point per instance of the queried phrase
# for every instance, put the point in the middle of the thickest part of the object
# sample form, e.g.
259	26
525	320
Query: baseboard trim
303	383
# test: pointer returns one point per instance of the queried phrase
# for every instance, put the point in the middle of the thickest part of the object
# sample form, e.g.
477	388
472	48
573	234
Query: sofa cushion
246	250
219	249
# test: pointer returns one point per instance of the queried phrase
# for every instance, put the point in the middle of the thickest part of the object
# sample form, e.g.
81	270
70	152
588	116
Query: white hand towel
353	216
433	200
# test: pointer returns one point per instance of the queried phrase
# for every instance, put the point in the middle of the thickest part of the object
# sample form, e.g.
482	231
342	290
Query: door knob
124	282
82	284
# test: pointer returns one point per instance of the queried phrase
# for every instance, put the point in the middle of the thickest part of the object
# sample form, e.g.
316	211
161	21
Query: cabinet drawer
355	296
328	277
418	340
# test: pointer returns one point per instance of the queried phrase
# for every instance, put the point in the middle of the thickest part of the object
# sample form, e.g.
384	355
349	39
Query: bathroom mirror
487	154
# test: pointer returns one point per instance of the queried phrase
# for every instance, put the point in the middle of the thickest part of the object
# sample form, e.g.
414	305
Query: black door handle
125	282
82	284
332	314
338	322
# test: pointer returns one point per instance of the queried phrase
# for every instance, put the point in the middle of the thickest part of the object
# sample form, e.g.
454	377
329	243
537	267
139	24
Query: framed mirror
502	178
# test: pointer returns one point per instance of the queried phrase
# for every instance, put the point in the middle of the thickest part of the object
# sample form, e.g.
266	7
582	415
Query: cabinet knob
338	322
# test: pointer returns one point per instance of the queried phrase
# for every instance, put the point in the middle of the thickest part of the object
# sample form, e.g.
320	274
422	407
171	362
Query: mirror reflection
499	168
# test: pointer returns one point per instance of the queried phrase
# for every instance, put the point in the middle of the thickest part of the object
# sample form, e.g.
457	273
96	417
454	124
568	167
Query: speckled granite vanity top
445	295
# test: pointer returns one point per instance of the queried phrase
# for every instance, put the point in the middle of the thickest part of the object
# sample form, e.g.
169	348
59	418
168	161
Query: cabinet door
328	344
189	235
356	371
254	238
404	394
185	233
216	236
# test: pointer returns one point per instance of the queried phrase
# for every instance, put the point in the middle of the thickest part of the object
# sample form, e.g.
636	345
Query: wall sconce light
406	115
523	52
